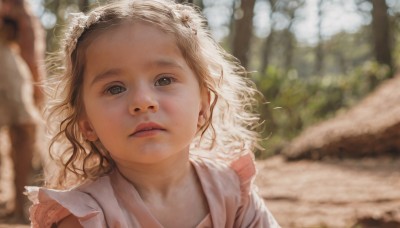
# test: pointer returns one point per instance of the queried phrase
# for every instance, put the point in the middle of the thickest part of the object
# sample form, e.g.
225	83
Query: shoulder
228	188
50	206
236	174
243	167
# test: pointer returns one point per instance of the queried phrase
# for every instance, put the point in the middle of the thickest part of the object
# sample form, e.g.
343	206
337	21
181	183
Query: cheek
103	115
183	111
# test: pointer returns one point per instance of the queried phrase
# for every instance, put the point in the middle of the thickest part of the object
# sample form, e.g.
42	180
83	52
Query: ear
204	112
87	129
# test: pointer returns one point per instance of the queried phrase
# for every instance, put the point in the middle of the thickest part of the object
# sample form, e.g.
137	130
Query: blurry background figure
22	49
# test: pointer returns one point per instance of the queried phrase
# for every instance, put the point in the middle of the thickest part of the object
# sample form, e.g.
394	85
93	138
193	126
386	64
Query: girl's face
141	99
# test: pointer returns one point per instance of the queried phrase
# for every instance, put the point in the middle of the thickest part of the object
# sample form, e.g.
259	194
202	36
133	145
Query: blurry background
327	69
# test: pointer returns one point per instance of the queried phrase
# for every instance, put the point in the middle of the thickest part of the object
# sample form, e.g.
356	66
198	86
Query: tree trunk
184	1
267	46
83	5
319	52
243	32
200	4
381	32
289	50
289	43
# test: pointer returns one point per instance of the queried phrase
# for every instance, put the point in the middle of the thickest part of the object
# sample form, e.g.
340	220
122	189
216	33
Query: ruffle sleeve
51	206
252	212
246	171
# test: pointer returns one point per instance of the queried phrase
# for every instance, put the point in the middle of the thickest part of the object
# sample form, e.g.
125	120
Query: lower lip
148	133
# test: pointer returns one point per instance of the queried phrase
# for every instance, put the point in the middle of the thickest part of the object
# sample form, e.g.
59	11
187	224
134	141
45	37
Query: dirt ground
304	193
331	193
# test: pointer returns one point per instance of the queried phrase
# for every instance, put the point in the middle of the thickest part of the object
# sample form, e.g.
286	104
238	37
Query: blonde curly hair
232	120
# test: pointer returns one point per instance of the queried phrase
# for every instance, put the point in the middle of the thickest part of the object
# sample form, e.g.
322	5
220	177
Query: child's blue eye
164	81
113	90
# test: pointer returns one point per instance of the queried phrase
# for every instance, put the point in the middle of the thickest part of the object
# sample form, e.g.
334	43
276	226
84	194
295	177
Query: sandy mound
370	128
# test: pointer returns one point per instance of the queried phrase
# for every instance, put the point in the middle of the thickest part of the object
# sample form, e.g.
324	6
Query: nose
142	102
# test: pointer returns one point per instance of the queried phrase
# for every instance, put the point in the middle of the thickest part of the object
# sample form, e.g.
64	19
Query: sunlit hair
231	120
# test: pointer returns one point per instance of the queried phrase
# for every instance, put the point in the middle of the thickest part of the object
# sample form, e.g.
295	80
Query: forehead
131	34
134	47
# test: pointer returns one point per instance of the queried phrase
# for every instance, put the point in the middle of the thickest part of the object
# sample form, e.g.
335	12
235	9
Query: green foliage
295	103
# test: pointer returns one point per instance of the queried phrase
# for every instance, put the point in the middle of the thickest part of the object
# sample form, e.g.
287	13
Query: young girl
156	122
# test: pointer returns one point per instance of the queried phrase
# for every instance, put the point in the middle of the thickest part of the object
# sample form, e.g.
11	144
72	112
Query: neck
161	178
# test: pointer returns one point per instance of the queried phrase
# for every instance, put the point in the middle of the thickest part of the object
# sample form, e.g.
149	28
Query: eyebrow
166	63
157	63
105	75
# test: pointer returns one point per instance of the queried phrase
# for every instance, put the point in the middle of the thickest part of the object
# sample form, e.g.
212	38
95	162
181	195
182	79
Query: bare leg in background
22	149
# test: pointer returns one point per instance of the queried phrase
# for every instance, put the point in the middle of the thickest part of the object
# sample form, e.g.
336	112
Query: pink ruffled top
111	201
